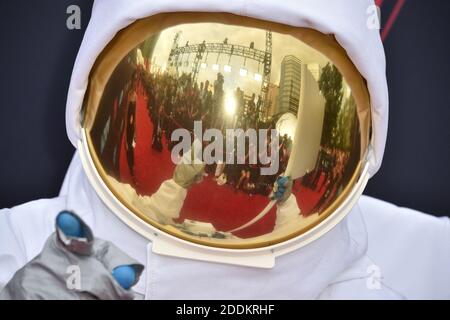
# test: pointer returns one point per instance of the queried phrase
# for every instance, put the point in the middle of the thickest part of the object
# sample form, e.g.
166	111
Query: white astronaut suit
378	251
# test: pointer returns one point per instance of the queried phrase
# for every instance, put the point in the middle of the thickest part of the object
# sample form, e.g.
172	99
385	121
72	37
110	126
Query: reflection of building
308	133
315	70
272	98
290	81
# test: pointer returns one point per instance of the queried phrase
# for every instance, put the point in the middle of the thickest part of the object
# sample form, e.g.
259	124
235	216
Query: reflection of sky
195	33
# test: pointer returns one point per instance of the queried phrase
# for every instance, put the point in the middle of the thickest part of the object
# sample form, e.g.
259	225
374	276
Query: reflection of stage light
230	105
215	67
203	65
287	125
243	72
258	77
227	68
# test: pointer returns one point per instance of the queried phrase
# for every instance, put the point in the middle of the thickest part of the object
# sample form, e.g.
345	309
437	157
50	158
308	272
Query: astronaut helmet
229	132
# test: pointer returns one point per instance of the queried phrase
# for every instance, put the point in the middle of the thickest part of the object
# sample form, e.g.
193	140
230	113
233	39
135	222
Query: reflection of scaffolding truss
202	50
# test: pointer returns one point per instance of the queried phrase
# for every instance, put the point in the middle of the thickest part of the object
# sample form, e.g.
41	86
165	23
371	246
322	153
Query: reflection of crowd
331	165
247	176
116	128
176	102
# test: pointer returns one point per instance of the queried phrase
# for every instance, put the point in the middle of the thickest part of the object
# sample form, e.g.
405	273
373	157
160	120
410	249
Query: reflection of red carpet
125	174
227	208
222	206
307	198
151	167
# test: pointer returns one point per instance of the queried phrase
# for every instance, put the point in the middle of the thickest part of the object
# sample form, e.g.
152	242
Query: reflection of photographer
218	101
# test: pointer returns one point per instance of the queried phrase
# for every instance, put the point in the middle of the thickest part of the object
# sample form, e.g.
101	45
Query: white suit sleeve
287	212
167	202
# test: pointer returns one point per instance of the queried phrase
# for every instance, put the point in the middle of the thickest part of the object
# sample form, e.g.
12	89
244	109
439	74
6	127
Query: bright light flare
243	72
203	65
230	105
215	67
227	68
287	124
258	77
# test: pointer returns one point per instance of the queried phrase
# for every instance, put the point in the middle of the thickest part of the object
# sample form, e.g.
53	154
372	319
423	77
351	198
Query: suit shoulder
412	248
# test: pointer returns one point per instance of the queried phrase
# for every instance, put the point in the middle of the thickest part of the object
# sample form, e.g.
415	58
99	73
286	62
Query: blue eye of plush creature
69	225
125	276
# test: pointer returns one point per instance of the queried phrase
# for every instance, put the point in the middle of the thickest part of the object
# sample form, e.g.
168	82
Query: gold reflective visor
209	75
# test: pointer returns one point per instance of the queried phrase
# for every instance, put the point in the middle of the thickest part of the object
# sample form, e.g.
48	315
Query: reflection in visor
234	80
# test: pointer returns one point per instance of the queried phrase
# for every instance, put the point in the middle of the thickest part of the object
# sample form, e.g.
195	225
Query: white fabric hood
346	19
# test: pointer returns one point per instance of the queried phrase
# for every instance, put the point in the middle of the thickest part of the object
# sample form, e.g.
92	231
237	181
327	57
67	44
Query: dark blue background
37	55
